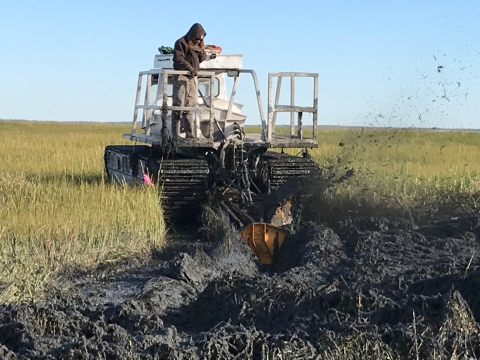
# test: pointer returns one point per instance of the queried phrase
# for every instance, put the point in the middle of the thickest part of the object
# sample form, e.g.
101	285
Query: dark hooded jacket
186	55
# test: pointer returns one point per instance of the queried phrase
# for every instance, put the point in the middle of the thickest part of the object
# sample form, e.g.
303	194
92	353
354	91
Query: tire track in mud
374	287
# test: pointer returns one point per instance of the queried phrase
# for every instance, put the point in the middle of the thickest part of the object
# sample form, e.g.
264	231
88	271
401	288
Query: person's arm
202	55
179	62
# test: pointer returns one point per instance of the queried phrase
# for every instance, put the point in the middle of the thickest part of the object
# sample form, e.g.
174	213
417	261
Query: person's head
197	40
196	34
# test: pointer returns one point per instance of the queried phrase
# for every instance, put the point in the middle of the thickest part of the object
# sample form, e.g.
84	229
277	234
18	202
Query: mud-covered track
184	185
279	167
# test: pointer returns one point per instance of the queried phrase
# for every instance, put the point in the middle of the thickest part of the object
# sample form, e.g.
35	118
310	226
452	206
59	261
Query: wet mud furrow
374	288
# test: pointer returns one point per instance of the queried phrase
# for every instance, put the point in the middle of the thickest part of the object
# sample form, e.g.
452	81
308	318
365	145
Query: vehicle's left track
184	182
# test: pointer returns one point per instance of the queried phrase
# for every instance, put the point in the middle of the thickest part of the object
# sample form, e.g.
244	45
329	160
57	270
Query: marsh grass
417	174
56	209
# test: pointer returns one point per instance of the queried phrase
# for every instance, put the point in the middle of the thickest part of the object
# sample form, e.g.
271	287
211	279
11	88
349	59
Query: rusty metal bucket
264	240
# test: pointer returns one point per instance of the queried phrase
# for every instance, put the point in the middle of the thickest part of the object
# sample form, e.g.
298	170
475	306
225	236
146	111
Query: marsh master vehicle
221	155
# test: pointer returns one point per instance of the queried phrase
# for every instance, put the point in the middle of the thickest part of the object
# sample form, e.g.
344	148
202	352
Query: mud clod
370	288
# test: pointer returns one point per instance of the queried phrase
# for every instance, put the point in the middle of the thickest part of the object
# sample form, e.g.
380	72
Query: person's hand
197	49
192	70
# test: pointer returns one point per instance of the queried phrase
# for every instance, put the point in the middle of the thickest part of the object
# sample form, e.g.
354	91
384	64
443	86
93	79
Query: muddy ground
370	288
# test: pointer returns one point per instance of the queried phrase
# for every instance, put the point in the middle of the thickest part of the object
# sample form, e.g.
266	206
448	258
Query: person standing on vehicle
188	53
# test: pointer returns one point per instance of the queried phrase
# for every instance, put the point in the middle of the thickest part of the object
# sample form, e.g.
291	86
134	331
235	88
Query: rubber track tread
282	167
184	185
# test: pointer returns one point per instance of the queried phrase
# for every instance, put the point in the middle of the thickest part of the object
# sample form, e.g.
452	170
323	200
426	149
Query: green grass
56	210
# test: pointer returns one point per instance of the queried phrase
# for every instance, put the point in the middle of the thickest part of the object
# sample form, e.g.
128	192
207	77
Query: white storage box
222	61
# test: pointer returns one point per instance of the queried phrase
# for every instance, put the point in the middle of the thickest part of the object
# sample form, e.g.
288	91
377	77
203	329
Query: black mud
372	288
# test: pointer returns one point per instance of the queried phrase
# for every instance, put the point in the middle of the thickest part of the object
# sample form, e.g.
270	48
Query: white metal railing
148	109
275	107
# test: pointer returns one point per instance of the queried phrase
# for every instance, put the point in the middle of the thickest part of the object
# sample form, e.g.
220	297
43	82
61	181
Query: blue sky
378	61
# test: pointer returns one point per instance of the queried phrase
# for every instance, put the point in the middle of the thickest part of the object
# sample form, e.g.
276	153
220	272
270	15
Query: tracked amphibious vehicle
222	155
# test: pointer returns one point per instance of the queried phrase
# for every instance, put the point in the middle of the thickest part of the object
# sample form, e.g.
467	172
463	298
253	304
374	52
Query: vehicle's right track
280	167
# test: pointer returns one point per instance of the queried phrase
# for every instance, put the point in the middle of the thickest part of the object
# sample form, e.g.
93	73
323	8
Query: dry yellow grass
56	210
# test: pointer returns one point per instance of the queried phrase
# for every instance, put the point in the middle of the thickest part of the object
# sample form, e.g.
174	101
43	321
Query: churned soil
371	288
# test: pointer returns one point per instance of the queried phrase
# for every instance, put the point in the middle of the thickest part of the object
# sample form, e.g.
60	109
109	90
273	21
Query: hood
195	31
